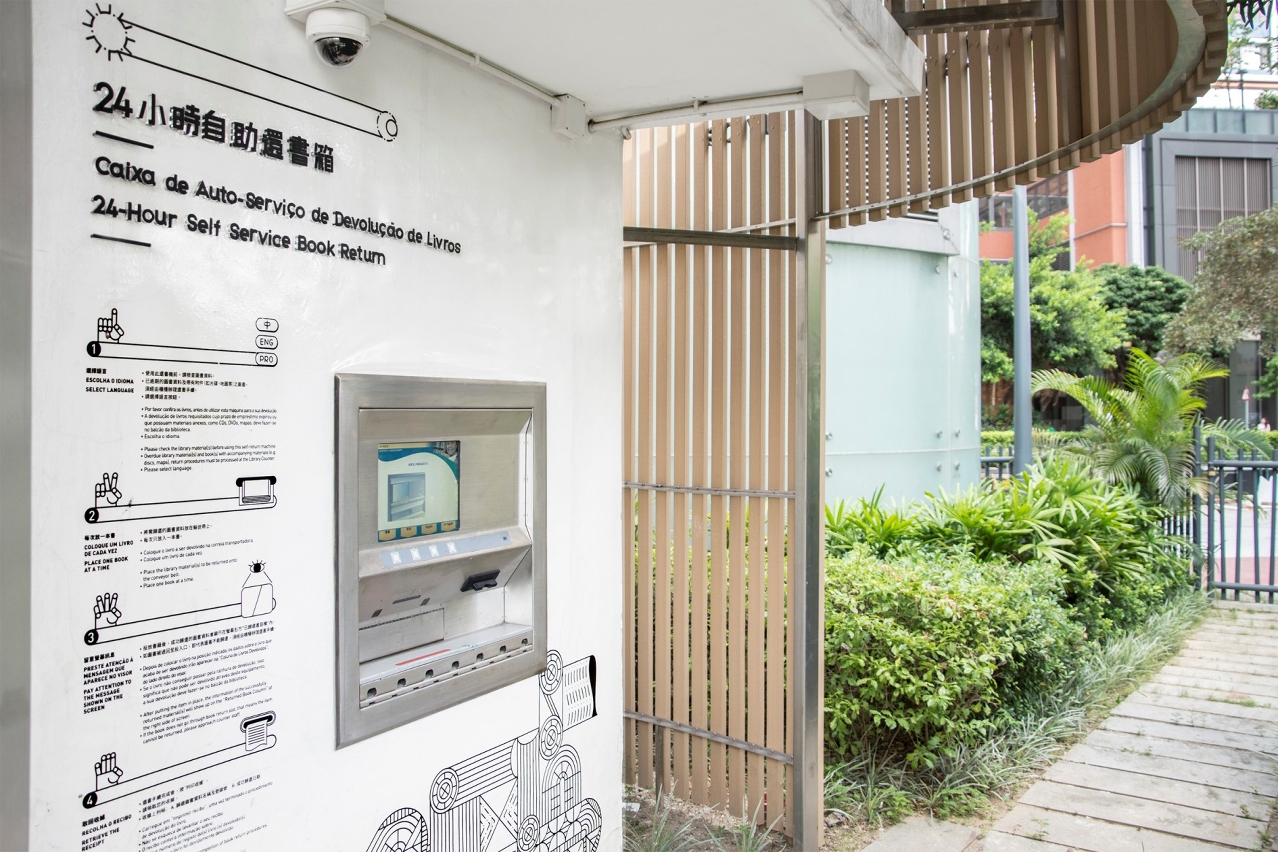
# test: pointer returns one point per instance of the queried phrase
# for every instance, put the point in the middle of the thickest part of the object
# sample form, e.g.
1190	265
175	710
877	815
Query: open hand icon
105	608
109	327
106	489
108	773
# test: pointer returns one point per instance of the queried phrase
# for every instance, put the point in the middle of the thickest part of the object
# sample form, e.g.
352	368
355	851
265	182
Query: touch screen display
418	489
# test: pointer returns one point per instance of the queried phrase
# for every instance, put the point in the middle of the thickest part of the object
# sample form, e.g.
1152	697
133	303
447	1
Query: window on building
1210	190
1046	198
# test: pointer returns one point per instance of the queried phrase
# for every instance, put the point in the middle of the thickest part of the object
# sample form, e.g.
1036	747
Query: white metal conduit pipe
472	59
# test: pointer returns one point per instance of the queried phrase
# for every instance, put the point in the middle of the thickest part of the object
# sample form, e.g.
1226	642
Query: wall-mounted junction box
441	542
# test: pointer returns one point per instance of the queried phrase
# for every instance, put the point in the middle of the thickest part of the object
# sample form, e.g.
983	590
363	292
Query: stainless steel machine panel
440	544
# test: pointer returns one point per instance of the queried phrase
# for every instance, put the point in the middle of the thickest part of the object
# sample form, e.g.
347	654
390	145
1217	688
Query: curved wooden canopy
1011	105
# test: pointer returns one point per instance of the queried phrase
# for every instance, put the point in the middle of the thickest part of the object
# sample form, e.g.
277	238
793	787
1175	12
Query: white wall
533	295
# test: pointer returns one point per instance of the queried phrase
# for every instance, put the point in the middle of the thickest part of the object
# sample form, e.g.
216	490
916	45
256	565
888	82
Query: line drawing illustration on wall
110	344
109	505
257	598
110	32
522	795
112	783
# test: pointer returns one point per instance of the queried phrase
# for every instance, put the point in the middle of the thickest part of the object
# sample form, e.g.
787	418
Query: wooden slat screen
709	380
710	360
995	100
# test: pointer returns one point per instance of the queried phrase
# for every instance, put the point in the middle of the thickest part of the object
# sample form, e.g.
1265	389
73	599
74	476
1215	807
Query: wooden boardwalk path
1188	763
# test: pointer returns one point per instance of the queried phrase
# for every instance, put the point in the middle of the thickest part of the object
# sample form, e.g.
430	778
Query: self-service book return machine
441	544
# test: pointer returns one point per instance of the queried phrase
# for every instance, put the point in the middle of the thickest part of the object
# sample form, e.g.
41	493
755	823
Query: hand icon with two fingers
106	489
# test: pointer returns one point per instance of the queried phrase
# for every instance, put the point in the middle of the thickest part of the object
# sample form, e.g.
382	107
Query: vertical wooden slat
719	473
1025	139
877	167
836	148
736	461
774	697
1148	67
1088	64
661	474
1125	36
956	71
856	170
1070	91
791	370
938	118
916	130
702	339
982	121
896	153
1004	121
645	465
1110	44
753	595
1046	109
629	555
679	695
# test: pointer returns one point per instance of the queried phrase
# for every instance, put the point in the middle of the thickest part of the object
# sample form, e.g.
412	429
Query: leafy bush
927	650
997	436
1103	538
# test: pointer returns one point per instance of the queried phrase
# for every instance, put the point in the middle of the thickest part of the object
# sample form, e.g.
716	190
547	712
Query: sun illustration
109	32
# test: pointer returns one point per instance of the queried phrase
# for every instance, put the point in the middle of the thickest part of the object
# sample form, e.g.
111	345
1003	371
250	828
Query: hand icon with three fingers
109	327
106	489
105	608
108	773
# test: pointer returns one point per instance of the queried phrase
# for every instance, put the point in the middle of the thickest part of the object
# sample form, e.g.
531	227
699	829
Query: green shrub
927	650
1000	437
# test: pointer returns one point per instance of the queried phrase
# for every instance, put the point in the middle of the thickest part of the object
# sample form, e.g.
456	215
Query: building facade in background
1135	205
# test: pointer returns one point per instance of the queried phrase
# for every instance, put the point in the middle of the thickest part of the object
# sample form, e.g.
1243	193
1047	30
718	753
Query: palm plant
1141	433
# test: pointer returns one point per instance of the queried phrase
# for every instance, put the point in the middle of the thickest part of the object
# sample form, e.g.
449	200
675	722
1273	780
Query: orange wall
1100	212
996	245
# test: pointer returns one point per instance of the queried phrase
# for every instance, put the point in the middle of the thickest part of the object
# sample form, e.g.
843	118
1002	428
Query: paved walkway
1188	763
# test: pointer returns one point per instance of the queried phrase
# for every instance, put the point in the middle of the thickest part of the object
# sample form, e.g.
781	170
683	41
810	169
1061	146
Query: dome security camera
338	34
339	29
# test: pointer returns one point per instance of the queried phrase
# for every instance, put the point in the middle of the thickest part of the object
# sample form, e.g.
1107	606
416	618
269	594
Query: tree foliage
1235	291
1141	432
1071	325
1148	297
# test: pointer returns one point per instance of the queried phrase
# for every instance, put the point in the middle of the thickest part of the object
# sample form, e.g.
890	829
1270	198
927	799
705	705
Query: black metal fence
1230	529
996	462
1238	526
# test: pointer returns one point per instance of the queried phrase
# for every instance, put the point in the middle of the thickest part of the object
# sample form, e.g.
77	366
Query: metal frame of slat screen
710	407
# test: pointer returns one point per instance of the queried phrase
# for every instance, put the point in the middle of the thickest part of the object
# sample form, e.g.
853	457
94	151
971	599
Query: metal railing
996	462
1240	524
1230	528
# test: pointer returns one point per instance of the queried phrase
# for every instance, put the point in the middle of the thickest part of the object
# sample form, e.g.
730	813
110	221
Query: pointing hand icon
109	327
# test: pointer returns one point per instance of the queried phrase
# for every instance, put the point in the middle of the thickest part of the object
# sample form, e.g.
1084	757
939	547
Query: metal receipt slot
440	544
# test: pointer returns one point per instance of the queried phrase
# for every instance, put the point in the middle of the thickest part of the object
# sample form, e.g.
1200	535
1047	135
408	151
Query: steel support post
807	528
1022	416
